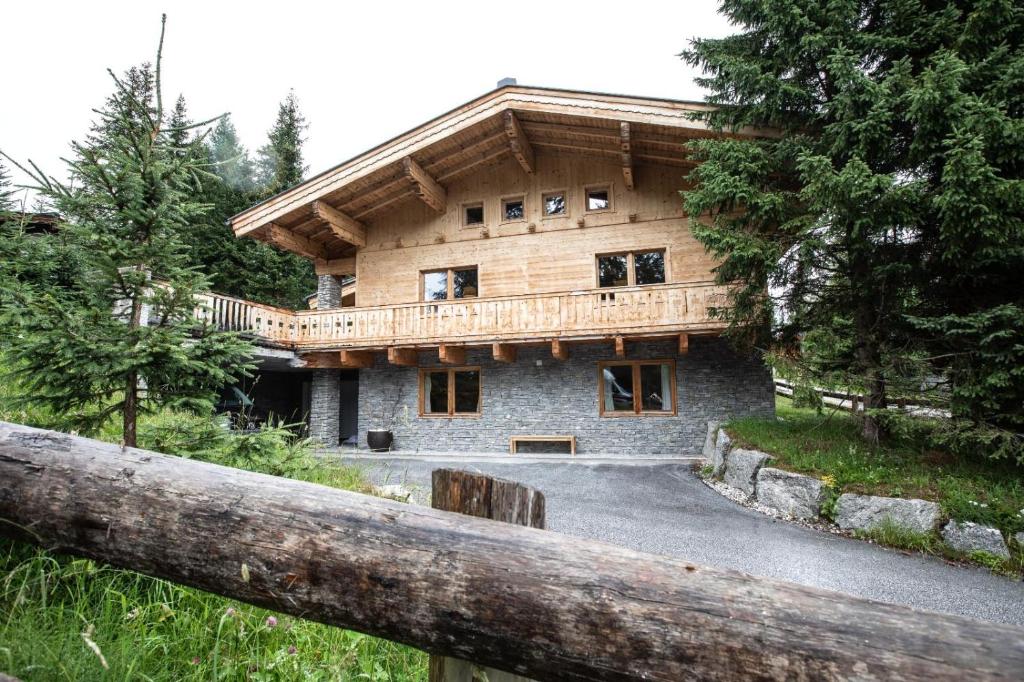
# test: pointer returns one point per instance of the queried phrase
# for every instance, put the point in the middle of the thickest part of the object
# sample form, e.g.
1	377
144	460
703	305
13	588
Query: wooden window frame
451	414
450	291
521	198
638	410
630	267
544	215
472	204
592	188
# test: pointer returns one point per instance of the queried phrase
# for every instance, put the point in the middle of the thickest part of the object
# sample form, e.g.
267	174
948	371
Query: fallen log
519	599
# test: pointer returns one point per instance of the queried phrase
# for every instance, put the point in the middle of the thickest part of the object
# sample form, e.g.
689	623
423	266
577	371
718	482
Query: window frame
607	187
450	283
638	410
521	198
630	267
450	414
465	206
544	215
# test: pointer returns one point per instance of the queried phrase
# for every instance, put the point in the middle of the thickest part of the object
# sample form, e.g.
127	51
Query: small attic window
599	198
513	209
473	214
554	203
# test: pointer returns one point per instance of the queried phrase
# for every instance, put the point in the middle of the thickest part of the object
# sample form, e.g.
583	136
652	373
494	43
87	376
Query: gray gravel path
666	509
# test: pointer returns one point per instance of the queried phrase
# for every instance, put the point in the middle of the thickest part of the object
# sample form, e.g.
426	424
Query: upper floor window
599	198
440	285
473	214
553	203
513	209
632	268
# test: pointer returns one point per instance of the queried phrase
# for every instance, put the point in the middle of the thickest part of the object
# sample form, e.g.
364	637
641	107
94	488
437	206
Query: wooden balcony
633	312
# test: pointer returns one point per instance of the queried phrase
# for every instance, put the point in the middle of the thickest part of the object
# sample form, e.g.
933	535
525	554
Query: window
554	203
637	387
631	269
441	285
599	198
512	209
450	392
473	214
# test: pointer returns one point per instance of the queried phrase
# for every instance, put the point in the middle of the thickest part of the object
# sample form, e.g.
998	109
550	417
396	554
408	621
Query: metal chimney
504	82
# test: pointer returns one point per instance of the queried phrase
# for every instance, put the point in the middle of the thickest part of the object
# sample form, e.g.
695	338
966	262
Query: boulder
720	453
864	512
1019	538
797	496
741	467
967	537
709	440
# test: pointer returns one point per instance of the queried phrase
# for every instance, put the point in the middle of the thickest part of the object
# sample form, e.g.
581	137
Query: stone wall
325	406
561	397
328	292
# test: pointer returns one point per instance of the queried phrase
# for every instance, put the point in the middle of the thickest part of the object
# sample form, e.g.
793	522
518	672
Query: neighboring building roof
322	218
33	223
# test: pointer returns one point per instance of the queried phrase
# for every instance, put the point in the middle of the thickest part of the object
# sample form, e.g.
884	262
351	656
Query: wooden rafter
620	347
627	157
503	352
338	267
356	359
403	357
559	350
283	239
425	187
342	226
684	344
451	355
518	143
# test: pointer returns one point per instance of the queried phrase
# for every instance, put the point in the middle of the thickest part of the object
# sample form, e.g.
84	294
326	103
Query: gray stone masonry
538	394
798	496
328	292
325	407
741	469
864	512
966	537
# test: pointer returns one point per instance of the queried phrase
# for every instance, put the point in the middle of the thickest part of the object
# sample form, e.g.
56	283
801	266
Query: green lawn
828	446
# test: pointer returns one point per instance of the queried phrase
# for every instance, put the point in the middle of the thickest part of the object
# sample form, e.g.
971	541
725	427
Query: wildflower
230	613
829	480
292	650
195	660
271	622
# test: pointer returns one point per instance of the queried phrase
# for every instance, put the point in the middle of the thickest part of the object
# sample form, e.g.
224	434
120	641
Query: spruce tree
878	219
6	189
130	198
280	164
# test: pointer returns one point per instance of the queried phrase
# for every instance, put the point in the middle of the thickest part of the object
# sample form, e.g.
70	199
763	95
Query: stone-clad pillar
325	391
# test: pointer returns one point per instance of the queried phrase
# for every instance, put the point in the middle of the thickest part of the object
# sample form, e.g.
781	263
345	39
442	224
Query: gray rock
720	453
709	440
798	496
864	512
966	537
741	467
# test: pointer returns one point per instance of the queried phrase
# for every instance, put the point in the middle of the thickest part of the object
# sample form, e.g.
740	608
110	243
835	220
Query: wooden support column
504	352
627	154
684	344
489	498
283	239
356	359
343	227
404	357
560	350
451	355
521	148
620	347
424	186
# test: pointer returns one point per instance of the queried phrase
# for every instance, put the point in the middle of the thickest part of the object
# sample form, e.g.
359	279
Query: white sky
363	71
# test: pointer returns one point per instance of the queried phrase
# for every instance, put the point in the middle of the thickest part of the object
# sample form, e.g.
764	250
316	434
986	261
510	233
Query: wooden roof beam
504	352
424	186
339	267
342	226
283	239
627	156
356	359
403	357
518	143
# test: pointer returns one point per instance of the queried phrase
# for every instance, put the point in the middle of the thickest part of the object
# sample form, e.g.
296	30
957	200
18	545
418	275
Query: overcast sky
363	71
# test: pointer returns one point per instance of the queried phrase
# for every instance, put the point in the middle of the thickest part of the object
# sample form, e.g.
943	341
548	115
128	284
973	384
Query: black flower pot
379	440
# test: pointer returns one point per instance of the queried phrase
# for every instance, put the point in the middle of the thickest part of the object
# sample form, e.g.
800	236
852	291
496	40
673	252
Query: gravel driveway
666	509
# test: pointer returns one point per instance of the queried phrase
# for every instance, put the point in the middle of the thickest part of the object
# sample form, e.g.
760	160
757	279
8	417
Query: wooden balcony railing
647	310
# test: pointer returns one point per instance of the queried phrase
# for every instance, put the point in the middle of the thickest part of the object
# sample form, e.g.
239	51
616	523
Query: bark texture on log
532	602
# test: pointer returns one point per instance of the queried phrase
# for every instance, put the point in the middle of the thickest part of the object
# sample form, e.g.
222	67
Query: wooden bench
514	442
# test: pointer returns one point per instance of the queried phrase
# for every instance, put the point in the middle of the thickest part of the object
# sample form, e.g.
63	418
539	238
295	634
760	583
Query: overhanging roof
323	217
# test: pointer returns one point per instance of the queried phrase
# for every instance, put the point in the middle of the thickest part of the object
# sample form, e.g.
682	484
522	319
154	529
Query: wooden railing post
490	498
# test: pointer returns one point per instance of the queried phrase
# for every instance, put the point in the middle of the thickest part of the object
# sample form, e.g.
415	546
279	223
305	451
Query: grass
829	447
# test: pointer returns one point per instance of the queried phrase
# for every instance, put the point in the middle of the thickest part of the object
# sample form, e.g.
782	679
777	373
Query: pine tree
129	202
280	164
6	189
179	127
892	184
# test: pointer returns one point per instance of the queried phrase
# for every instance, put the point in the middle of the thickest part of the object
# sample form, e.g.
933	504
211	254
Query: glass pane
467	392
656	382
650	267
618	388
597	200
474	215
514	210
612	271
435	392
554	204
435	286
464	283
